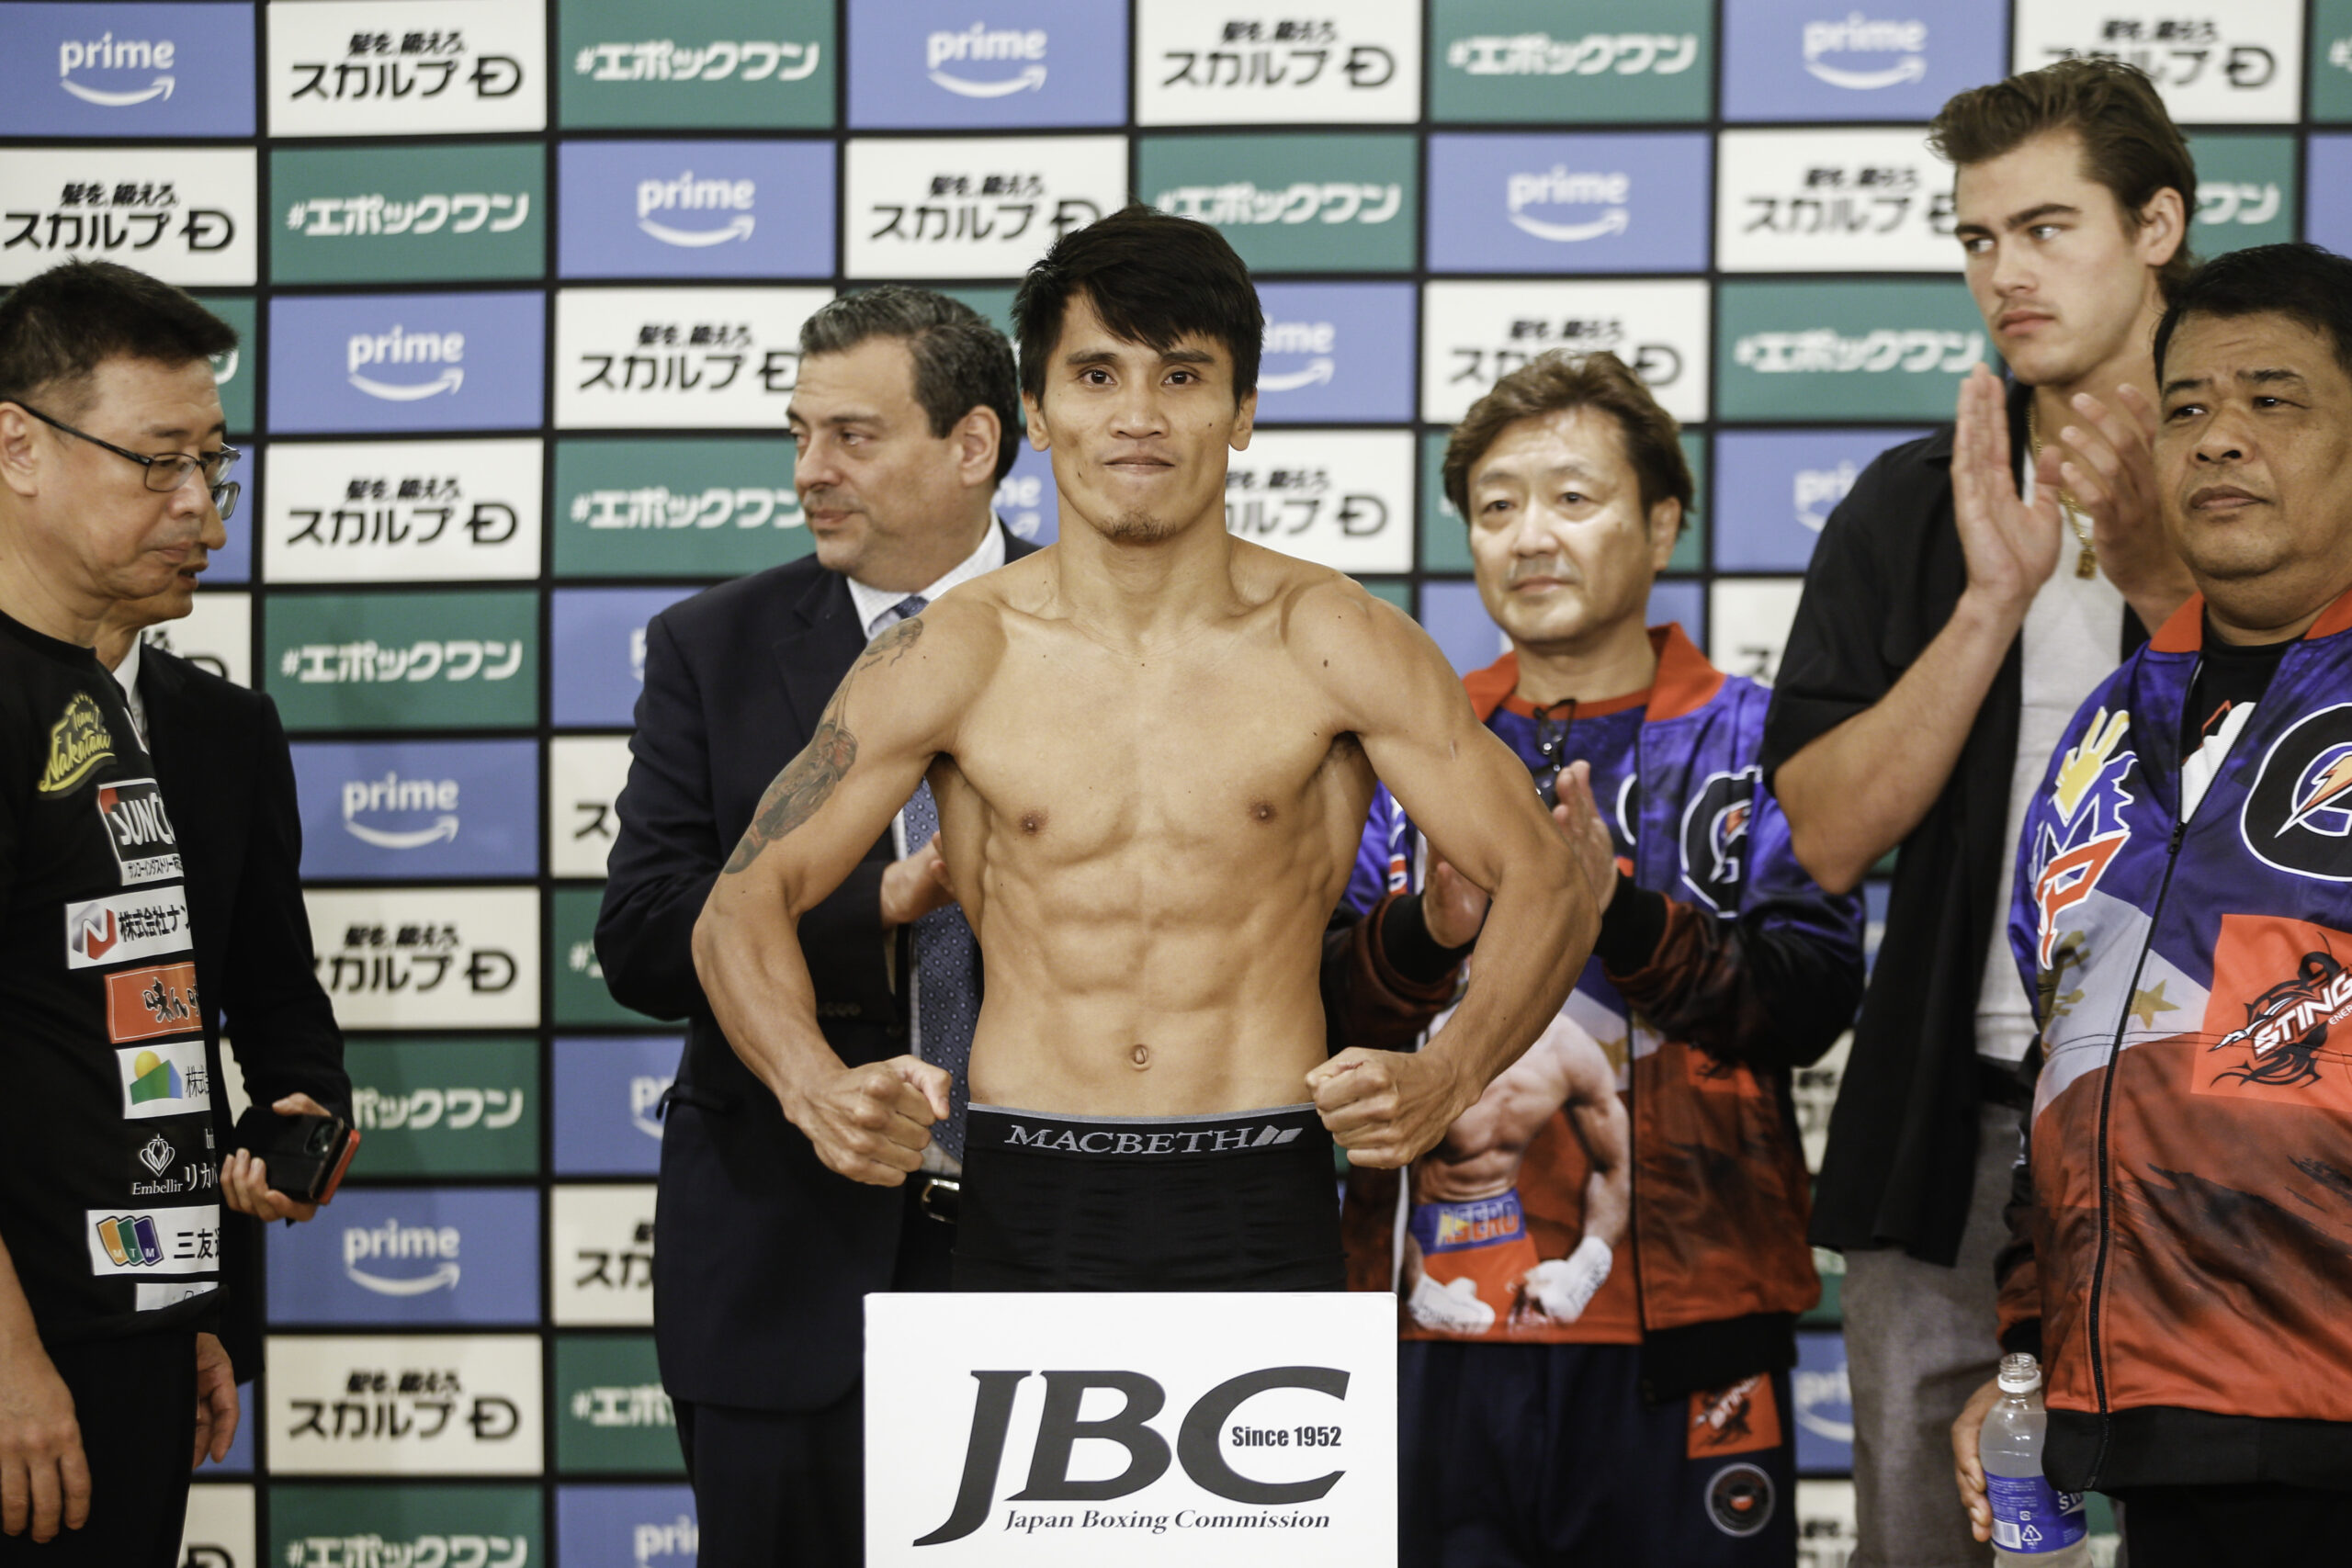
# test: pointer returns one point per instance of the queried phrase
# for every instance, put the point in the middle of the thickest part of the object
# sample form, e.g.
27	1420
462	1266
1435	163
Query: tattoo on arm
806	784
895	643
807	781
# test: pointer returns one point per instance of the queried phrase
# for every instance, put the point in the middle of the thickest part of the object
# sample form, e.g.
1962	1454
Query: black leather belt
939	1196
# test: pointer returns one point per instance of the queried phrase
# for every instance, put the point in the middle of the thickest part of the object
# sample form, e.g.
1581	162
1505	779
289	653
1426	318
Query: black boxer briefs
1237	1201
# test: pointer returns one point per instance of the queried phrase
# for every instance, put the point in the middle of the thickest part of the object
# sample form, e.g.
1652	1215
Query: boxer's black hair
1153	280
962	362
56	327
2300	281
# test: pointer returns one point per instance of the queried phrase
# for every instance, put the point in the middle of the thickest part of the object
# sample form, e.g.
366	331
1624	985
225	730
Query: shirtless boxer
1152	745
1469	1264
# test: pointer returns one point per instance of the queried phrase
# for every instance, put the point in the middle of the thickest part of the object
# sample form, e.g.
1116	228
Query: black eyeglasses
1552	745
171	470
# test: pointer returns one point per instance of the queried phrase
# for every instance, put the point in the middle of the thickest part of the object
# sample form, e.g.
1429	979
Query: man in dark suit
221	756
905	419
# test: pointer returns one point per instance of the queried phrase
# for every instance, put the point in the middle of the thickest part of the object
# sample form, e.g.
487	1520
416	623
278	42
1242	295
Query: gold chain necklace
2087	563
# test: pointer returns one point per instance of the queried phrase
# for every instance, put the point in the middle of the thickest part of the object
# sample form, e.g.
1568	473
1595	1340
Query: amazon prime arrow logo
1316	373
449	380
1031	79
159	88
443	829
738	228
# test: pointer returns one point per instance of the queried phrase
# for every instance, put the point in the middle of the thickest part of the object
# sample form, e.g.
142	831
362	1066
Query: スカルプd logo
139	830
1863	54
2298	815
122	60
1714	836
78	742
1588	203
987	62
2089	799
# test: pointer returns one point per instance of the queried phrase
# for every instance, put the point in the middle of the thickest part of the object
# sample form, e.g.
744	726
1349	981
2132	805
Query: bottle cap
2020	1373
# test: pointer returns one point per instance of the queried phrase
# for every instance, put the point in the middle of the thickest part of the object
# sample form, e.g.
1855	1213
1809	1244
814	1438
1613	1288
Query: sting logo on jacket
2280	1013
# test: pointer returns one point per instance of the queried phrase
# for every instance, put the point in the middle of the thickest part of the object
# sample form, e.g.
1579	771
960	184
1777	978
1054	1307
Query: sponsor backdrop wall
519	283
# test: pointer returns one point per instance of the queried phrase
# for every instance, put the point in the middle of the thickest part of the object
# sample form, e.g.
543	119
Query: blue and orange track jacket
2184	1222
1757	971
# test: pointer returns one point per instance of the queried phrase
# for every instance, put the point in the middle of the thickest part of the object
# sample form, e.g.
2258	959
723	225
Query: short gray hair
961	362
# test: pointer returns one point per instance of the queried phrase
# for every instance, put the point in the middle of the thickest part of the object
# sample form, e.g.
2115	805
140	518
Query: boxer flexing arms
1152	747
1469	1263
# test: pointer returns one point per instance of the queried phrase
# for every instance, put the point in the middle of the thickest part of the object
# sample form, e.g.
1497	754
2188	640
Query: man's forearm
1536	941
1857	792
18	1333
753	970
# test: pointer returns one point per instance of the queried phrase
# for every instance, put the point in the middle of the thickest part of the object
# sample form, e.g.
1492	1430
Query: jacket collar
1685	680
2185	632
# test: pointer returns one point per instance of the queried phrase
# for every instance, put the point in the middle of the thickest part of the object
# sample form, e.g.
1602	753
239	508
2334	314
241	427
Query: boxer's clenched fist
871	1123
1385	1108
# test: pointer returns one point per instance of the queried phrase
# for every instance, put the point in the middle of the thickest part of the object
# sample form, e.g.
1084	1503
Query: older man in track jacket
2183	920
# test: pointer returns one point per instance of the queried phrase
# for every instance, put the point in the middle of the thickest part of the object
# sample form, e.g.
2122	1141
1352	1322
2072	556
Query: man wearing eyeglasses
113	480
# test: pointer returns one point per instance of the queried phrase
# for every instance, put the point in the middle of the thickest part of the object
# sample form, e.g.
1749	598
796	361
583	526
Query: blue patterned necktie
947	965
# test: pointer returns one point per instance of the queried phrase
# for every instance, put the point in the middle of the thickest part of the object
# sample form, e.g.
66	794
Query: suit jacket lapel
812	658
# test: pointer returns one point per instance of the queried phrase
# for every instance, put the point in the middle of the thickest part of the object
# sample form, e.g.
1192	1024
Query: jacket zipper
1633	1125
2106	1167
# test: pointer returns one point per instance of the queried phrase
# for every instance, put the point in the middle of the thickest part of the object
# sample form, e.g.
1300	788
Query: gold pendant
2087	565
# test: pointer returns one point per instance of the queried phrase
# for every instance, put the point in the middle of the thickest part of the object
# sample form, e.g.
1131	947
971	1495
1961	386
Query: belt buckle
940	1199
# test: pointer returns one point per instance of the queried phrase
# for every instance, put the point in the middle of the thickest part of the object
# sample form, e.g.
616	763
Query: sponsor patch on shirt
174	1162
126	926
139	830
78	742
1743	1418
159	1241
2276	1017
169	1080
155	1298
146	1004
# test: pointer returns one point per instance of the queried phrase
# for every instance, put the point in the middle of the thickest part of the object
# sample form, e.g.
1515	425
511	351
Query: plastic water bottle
2032	1521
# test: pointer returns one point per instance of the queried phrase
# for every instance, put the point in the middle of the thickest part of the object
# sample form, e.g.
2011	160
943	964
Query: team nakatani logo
2088	799
78	742
1714	836
2298	815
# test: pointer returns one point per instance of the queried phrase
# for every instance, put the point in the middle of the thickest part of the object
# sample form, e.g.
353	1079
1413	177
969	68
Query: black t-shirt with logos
108	1177
2229	676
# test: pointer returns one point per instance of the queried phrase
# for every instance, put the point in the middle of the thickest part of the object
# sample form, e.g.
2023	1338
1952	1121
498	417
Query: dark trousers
2252	1525
786	1488
1547	1456
135	1401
